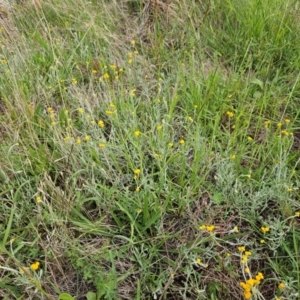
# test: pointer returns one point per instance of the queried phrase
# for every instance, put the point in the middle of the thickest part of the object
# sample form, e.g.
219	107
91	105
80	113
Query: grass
150	150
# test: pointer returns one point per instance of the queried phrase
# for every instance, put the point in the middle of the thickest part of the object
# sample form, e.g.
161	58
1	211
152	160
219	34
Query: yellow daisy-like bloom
159	127
281	285
137	171
210	228
170	145
81	110
297	213
265	229
233	157
262	241
137	133
249	138
198	261
181	142
287	121
106	76
241	248
110	112
78	141
38	199
35	266
87	138
101	123
230	114
101	145
235	229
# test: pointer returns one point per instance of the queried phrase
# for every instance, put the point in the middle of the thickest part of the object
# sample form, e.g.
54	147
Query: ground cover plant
150	149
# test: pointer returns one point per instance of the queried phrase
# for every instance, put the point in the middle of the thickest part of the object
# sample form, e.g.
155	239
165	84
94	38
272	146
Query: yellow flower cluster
209	228
265	229
35	266
250	283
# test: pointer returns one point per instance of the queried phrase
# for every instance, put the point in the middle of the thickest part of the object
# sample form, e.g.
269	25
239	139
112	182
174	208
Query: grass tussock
149	150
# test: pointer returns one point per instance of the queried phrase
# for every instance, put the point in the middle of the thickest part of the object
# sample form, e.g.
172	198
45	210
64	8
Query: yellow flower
137	171
137	189
262	241
105	76
287	121
202	227
159	127
233	156
35	266
101	123
66	138
181	142
87	138
81	110
74	81
235	229
229	114
113	67
137	133
170	145
110	112
190	119
279	124
281	285
94	71
112	105
135	52
129	61
249	176
101	145
132	42
241	248
198	261
53	123
38	199
244	259
267	123
78	141
297	213
249	138
210	228
265	229
289	190
247	270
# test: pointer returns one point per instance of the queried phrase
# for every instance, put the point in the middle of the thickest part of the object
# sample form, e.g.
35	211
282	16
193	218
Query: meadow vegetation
150	149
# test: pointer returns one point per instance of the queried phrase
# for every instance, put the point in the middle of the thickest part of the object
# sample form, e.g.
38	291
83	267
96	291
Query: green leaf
65	296
91	296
